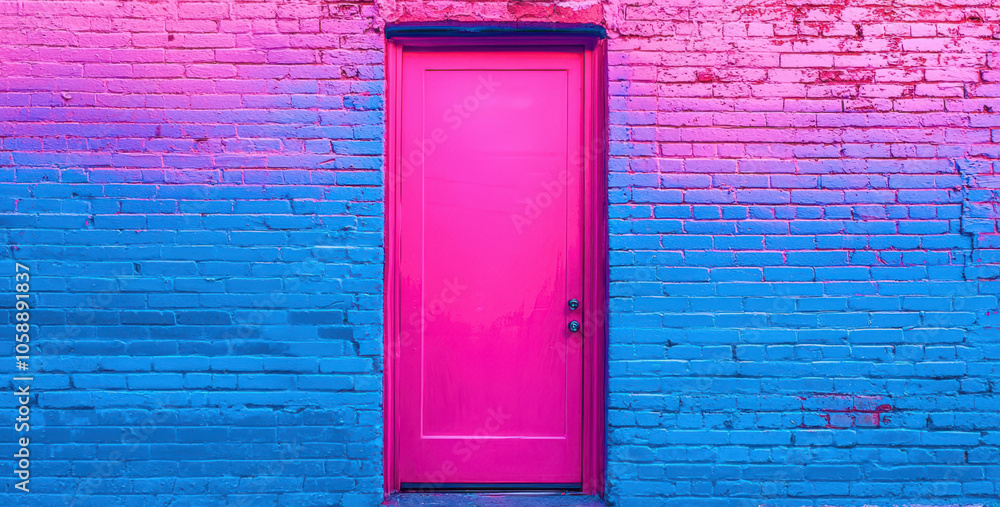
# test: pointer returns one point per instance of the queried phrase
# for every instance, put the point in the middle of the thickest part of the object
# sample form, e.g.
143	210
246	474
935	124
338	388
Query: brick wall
804	248
804	253
196	189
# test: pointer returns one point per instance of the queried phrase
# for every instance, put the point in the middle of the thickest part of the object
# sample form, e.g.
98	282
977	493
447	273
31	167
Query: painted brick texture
805	259
804	253
196	188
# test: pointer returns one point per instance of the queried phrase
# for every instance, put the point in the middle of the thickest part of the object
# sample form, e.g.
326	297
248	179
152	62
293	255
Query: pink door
489	372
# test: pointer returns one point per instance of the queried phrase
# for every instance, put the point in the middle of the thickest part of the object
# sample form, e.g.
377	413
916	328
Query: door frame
595	241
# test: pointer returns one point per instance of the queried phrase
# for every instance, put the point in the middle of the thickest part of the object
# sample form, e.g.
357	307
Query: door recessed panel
490	382
494	261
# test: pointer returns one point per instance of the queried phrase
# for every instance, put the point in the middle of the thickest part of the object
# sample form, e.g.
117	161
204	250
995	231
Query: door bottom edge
492	487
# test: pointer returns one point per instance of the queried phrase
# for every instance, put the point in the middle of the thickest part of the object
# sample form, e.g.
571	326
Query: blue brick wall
214	344
197	191
804	290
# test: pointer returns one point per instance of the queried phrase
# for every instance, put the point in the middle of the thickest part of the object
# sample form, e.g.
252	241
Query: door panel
489	388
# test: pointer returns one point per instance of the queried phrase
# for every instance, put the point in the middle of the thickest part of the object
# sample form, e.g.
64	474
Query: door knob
574	326
573	304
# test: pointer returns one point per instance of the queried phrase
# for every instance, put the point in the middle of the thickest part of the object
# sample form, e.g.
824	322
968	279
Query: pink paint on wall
840	411
192	91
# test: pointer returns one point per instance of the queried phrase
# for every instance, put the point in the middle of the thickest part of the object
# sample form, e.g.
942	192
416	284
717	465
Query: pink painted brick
793	75
831	91
793	181
866	61
953	75
189	55
935	45
213	10
164	70
748	104
778	90
240	56
685	181
732	90
923	30
806	60
985	90
211	71
898	75
768	166
192	26
740	119
791	120
685	90
813	106
868	105
152	55
676	149
918	105
102	70
202	40
887	91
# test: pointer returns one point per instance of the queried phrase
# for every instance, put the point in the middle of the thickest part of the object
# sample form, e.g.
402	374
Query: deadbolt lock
574	326
573	304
